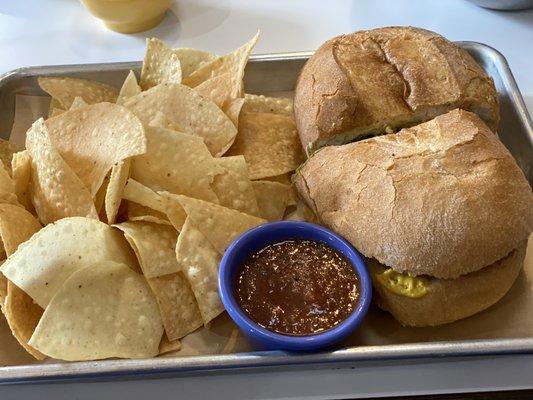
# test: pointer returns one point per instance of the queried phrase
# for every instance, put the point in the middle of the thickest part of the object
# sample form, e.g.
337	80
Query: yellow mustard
404	285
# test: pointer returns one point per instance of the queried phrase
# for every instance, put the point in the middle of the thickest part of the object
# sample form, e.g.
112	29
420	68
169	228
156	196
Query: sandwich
441	211
375	82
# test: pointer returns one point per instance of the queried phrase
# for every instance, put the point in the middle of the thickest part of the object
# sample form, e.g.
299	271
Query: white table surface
45	32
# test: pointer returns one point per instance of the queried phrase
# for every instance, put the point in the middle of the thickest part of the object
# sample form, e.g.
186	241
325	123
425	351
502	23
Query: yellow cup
128	16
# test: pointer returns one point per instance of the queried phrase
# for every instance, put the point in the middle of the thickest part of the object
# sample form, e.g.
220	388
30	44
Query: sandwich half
441	210
373	82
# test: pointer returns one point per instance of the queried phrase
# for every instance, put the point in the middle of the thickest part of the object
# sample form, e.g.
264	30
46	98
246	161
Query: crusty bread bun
371	82
449	300
444	198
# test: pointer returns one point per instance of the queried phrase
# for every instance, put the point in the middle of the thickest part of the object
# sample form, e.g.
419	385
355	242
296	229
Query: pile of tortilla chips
115	217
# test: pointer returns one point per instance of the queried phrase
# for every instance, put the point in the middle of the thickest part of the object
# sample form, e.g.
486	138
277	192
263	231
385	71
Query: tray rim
119	368
153	367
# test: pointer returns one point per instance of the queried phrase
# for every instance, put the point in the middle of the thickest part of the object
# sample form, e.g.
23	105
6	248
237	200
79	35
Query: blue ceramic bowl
256	239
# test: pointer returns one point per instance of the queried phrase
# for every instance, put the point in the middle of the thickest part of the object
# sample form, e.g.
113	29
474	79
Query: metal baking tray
277	74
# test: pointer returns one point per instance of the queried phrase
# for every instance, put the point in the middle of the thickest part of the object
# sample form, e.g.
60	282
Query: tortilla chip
233	187
168	346
176	162
55	112
155	246
22	316
199	261
269	143
160	121
56	190
262	104
283	178
173	209
21	167
78	102
150	218
194	113
3	286
192	59
272	198
139	212
7	149
224	92
115	189
103	310
214	68
129	88
65	90
16	226
99	198
161	64
162	205
233	63
55	108
94	138
303	213
7	186
143	195
219	224
177	305
218	89
233	109
293	196
43	263
286	180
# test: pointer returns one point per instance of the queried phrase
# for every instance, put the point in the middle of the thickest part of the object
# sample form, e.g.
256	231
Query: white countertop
45	32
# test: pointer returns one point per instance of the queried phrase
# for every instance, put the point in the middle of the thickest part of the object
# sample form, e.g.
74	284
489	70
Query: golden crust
324	100
450	300
444	198
369	81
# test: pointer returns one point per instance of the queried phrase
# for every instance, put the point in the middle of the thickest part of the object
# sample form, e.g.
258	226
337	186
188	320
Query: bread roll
449	300
370	82
444	198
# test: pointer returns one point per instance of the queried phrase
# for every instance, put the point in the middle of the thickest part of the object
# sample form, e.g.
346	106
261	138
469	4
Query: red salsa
297	287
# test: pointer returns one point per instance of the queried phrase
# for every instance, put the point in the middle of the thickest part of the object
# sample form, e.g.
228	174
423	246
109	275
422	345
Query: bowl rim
294	342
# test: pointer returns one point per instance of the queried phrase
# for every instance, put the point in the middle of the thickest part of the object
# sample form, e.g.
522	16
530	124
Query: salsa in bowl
294	286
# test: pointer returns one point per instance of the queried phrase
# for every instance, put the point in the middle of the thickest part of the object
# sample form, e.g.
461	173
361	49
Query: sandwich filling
396	282
402	284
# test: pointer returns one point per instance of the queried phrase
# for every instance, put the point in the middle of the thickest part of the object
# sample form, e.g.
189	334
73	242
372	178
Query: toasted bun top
366	82
443	198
